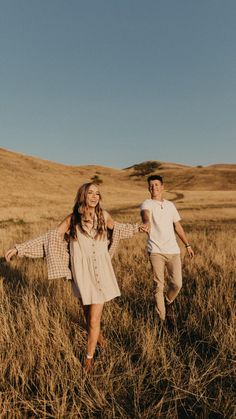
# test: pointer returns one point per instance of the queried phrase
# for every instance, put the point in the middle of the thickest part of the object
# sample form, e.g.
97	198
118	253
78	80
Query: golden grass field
148	371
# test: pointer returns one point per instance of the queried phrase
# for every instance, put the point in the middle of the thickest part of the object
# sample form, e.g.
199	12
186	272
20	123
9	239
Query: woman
94	281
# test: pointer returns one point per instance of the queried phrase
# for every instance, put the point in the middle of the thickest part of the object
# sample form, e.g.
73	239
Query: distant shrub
96	179
199	166
12	221
146	168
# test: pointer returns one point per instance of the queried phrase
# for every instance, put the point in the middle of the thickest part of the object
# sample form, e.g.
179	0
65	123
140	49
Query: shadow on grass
14	279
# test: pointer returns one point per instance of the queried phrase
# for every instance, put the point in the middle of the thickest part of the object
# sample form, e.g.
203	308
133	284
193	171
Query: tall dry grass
148	370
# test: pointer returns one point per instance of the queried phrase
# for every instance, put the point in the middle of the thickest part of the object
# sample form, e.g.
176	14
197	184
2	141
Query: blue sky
117	82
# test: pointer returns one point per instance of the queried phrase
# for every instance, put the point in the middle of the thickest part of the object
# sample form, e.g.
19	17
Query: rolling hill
209	178
49	188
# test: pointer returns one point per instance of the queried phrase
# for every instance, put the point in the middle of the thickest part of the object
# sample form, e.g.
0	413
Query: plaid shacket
54	248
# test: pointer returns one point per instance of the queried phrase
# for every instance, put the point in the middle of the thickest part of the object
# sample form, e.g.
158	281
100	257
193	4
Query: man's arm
145	215
181	233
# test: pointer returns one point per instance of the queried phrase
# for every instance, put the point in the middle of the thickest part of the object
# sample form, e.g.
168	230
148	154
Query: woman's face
93	196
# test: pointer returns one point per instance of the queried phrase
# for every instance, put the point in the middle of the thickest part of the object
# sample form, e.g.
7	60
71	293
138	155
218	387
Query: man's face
155	188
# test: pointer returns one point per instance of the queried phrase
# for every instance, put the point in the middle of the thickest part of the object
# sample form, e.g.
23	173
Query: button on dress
94	280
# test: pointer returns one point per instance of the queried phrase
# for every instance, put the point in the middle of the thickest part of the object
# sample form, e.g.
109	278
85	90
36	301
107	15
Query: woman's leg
101	340
93	316
94	321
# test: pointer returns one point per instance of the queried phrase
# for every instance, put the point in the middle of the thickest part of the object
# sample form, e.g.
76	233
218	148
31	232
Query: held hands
145	227
10	253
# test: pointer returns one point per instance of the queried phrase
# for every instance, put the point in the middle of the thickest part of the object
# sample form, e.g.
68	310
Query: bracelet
188	245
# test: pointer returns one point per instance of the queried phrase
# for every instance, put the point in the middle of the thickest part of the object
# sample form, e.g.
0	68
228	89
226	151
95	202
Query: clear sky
118	82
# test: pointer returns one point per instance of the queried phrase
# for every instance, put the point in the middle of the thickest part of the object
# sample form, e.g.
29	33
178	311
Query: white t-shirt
162	235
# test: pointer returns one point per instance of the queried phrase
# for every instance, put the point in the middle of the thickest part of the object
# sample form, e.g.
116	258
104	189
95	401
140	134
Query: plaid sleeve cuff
136	228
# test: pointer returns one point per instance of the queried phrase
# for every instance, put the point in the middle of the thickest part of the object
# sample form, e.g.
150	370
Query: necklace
160	203
90	224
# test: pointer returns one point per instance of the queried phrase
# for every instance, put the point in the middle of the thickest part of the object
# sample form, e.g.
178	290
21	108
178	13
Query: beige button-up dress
94	280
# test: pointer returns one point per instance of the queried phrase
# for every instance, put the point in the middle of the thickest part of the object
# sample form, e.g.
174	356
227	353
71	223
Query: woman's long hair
81	213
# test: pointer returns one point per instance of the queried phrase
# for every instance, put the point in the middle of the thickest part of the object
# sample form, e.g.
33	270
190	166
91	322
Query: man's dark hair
155	177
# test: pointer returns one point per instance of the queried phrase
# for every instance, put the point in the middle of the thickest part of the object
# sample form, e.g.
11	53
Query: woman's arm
127	229
109	221
34	248
64	226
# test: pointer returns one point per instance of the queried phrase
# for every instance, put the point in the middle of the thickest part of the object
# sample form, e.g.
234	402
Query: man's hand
10	253
190	251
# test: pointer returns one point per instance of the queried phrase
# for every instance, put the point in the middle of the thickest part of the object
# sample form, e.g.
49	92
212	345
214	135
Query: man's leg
158	266
174	269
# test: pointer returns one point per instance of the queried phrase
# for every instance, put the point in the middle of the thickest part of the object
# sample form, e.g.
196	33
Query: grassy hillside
179	177
48	189
148	371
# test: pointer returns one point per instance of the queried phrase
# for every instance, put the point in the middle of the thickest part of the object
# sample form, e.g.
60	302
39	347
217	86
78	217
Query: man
163	220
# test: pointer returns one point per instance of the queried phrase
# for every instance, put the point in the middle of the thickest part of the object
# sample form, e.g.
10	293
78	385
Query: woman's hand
145	227
10	253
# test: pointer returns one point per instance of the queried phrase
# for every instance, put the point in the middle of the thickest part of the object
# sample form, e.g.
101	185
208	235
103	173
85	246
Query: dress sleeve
54	248
33	248
127	230
57	255
121	231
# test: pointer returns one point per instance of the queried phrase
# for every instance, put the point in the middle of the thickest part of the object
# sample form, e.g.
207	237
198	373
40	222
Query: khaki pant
174	283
